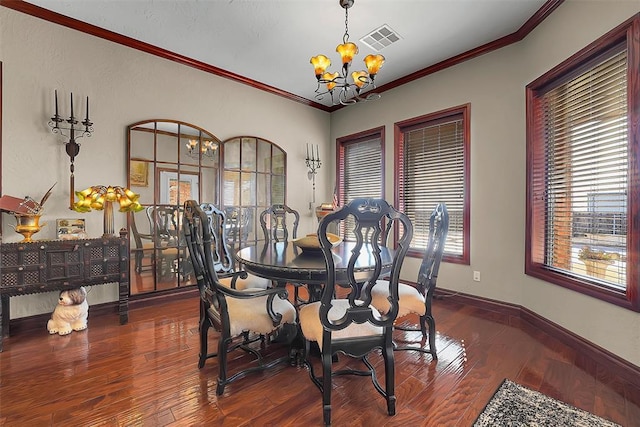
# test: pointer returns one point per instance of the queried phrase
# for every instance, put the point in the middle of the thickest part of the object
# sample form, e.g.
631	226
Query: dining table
284	262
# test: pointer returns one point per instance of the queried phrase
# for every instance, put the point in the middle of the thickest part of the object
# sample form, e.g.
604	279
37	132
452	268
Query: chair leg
139	262
223	346
432	335
389	378
204	328
326	387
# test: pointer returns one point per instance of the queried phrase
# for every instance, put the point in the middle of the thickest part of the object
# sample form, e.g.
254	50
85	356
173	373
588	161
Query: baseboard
515	313
109	308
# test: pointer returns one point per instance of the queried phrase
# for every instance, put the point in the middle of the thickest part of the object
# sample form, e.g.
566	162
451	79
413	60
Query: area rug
514	405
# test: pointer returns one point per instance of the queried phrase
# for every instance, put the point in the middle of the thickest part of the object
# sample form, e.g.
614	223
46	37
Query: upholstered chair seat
312	326
411	301
251	315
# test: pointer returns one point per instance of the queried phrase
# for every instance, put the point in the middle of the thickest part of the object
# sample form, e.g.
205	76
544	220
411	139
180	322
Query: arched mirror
169	162
254	178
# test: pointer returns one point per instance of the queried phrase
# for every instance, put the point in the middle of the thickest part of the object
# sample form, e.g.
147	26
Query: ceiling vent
380	38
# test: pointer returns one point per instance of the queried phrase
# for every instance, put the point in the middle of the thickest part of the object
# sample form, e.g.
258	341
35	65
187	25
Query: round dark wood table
285	262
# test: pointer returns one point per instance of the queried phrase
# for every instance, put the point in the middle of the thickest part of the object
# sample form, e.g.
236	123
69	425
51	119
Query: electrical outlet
476	276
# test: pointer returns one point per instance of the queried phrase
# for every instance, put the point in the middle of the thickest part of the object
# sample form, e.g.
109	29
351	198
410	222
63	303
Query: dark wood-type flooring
145	374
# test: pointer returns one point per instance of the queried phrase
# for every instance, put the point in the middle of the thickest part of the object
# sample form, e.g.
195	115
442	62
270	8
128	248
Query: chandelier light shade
100	197
344	87
197	148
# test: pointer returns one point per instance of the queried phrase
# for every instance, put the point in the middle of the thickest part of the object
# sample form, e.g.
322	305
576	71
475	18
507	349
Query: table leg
4	318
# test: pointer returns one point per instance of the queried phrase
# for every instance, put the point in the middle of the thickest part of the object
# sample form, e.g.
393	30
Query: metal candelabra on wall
68	128
313	163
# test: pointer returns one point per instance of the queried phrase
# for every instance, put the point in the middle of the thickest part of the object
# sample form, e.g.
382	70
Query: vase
27	225
597	267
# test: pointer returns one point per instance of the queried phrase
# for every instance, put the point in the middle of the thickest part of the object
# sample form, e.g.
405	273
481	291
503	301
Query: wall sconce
313	163
100	197
72	131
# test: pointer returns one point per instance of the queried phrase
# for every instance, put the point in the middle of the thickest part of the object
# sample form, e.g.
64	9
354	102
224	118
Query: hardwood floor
145	374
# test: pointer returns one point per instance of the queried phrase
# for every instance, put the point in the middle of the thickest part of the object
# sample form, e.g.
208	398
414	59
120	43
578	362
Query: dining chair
352	325
274	220
164	223
277	222
417	299
239	223
143	248
225	264
233	313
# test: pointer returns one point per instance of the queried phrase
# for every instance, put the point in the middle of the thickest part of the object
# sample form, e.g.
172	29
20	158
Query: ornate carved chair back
438	229
350	324
274	222
223	260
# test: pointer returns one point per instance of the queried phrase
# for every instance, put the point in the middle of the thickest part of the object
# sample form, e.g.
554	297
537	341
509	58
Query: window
254	178
581	190
360	166
432	163
360	169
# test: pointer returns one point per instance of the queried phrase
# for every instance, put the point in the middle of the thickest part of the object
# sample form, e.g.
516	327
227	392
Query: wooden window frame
464	111
342	143
628	33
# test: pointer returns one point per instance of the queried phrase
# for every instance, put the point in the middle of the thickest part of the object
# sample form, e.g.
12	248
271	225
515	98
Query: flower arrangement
586	253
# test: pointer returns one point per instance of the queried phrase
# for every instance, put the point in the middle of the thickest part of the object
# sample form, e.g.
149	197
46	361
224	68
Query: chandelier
348	91
196	149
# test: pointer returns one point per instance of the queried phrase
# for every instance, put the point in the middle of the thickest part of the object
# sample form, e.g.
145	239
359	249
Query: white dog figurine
71	312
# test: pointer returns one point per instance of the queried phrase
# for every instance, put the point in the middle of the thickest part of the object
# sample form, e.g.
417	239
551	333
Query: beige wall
494	84
124	86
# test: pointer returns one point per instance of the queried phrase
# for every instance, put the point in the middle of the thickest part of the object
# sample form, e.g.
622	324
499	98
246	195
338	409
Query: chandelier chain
345	38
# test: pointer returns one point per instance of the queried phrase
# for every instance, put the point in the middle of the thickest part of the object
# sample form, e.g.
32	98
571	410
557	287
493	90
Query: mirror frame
145	168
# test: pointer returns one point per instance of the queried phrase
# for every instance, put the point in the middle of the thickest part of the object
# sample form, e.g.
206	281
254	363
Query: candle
317	153
56	116
87	109
72	106
307	151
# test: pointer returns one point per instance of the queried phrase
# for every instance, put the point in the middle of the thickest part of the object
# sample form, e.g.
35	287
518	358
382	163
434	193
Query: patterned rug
514	405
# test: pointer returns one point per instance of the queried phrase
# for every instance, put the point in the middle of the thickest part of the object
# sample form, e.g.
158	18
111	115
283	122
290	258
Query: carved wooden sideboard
56	265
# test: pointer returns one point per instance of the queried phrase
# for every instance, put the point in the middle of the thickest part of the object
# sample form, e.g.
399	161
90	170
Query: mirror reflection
253	179
169	162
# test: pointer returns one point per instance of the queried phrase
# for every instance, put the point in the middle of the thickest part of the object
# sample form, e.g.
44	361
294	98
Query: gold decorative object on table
310	242
27	213
27	225
101	197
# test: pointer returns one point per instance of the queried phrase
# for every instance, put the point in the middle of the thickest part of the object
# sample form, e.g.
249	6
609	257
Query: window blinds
434	173
580	181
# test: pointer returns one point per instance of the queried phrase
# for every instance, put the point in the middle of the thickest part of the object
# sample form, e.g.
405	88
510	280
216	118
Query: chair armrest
270	293
234	293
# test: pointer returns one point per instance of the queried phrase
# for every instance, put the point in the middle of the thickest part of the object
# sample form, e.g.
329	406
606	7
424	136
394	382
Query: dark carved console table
56	265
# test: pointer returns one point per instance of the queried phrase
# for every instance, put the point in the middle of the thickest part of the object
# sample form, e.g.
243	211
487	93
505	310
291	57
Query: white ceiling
271	41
